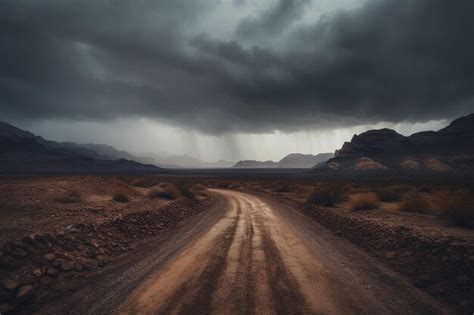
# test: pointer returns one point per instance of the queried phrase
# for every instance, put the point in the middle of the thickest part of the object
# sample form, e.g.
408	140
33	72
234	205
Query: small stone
95	243
37	272
10	284
26	279
49	257
26	292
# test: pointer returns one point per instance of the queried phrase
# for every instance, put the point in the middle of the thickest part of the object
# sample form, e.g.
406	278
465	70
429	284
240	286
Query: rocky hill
298	160
448	150
23	152
293	160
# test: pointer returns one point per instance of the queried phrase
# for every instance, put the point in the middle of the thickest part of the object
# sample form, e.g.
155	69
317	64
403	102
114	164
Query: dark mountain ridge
23	152
450	149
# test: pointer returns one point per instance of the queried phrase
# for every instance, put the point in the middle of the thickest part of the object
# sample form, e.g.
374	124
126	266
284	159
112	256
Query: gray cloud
274	20
389	60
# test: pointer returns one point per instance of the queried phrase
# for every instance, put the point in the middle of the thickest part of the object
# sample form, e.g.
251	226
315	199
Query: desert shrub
165	191
187	189
457	207
120	196
415	203
327	196
70	197
145	182
364	201
388	194
283	189
191	190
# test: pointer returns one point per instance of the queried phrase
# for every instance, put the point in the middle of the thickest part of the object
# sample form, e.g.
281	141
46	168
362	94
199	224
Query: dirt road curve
249	255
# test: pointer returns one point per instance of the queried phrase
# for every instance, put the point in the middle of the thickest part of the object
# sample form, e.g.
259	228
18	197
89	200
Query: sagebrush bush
457	207
388	194
364	201
165	191
120	196
187	189
327	196
415	203
70	197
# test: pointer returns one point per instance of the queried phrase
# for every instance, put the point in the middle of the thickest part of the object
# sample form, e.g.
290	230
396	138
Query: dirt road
248	255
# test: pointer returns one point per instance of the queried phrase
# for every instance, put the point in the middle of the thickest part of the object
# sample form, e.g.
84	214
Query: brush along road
248	255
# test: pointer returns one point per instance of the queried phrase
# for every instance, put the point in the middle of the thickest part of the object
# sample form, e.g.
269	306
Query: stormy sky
233	79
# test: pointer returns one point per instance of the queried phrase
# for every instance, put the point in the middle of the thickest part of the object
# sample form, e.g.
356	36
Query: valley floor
249	245
247	255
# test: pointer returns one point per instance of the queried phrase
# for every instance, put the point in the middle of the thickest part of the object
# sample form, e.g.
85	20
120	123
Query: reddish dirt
437	256
58	244
234	252
32	205
248	255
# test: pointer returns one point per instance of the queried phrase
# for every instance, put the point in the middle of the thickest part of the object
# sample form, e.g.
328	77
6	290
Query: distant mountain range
185	161
23	152
449	150
293	160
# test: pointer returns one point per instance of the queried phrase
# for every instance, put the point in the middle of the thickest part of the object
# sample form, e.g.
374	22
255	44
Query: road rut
262	258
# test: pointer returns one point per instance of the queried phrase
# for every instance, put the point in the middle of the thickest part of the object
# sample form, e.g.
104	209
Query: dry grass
457	207
388	194
327	196
364	201
415	203
187	189
120	196
165	191
70	197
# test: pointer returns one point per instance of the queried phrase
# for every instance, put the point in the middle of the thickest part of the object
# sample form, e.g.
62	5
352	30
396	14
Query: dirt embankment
40	267
440	264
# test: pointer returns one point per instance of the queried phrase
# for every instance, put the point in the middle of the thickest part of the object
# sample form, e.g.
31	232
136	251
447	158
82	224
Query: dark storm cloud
97	60
274	20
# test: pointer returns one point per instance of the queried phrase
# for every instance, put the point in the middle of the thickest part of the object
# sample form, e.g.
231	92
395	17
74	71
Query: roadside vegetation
388	194
457	207
363	201
120	196
417	203
327	195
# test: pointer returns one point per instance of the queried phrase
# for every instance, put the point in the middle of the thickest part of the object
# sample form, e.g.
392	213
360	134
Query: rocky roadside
37	267
443	267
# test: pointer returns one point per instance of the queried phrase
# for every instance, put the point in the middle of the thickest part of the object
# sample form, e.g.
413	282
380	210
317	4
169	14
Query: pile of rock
30	267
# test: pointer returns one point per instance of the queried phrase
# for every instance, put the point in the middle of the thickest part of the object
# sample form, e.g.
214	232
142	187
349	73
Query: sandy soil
248	255
31	205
